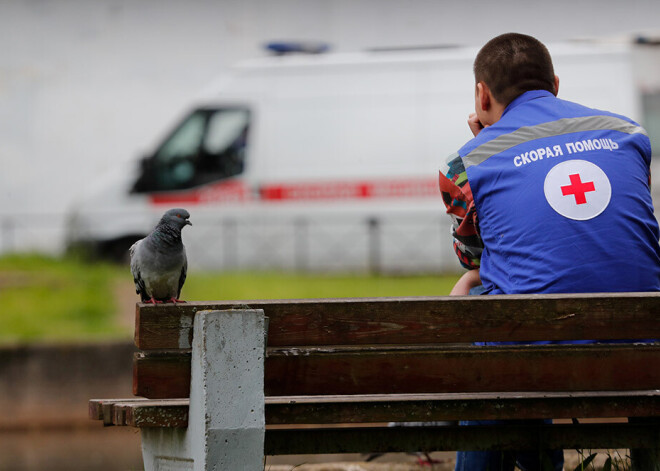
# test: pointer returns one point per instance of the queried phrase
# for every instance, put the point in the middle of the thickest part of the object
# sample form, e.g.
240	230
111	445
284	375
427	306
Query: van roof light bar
281	48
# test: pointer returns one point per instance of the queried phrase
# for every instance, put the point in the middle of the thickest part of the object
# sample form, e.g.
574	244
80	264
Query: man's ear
556	85
483	96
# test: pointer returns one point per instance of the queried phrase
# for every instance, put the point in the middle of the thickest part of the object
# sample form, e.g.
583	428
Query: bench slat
424	369
294	410
409	439
319	440
452	407
421	320
161	375
101	409
168	413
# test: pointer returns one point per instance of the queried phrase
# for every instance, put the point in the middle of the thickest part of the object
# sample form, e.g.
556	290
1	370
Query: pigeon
158	262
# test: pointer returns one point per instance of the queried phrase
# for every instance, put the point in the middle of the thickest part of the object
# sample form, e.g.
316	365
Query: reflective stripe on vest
549	129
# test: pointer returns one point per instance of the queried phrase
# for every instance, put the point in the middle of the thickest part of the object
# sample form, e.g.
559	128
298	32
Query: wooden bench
222	384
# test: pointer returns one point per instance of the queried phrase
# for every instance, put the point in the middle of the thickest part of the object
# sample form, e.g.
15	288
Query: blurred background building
87	87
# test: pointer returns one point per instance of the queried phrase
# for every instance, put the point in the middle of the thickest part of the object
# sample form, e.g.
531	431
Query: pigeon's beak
188	223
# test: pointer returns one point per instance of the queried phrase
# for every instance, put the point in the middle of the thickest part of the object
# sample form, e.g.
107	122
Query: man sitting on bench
548	197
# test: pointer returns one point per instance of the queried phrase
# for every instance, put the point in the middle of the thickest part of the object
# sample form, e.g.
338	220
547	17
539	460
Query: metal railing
376	244
32	232
410	243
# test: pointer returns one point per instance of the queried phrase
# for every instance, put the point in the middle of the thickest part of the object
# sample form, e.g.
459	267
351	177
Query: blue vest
563	200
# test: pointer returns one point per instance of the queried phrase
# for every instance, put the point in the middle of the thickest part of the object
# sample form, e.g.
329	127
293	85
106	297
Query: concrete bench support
226	420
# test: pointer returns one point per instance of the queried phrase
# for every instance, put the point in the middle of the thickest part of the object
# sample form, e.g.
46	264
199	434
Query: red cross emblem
571	200
578	189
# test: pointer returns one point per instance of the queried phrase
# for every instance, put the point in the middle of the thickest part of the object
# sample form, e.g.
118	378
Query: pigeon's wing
140	288
184	273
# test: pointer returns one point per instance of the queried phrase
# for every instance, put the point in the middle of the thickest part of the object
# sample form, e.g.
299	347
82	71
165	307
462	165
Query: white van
323	162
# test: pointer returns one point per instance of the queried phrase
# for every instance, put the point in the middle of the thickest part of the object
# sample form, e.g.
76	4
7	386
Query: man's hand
474	124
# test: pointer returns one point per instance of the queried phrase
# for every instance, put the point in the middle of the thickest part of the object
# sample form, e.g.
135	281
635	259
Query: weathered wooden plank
453	407
95	409
161	413
425	369
464	369
102	409
450	438
298	410
421	320
162	375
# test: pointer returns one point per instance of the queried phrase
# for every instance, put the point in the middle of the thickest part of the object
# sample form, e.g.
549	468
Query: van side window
209	145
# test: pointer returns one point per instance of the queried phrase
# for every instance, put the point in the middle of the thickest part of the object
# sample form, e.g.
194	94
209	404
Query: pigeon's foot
153	301
175	300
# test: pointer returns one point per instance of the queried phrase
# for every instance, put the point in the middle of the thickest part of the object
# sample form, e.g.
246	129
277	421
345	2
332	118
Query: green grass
50	299
245	286
54	299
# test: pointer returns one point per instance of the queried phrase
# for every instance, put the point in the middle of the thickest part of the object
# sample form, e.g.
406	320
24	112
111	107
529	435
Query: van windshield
209	145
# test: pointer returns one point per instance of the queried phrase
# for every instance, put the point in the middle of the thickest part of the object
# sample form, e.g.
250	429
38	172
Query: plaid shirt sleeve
457	196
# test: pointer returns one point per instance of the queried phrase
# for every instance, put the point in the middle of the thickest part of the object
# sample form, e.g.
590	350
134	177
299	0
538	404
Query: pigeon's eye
178	215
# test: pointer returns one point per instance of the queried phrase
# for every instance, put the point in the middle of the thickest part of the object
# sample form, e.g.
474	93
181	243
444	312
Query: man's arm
457	196
469	280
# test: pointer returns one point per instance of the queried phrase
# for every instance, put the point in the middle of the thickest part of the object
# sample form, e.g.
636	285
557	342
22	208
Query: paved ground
401	462
359	466
358	462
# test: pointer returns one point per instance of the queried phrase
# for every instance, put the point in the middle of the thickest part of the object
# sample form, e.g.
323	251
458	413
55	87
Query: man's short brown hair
512	64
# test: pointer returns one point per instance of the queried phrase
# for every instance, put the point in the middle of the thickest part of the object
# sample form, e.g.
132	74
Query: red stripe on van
237	191
408	188
232	191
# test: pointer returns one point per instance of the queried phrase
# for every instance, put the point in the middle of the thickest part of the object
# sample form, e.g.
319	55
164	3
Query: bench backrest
422	345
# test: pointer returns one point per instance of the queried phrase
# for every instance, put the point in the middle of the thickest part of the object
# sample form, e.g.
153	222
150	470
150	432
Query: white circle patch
577	189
